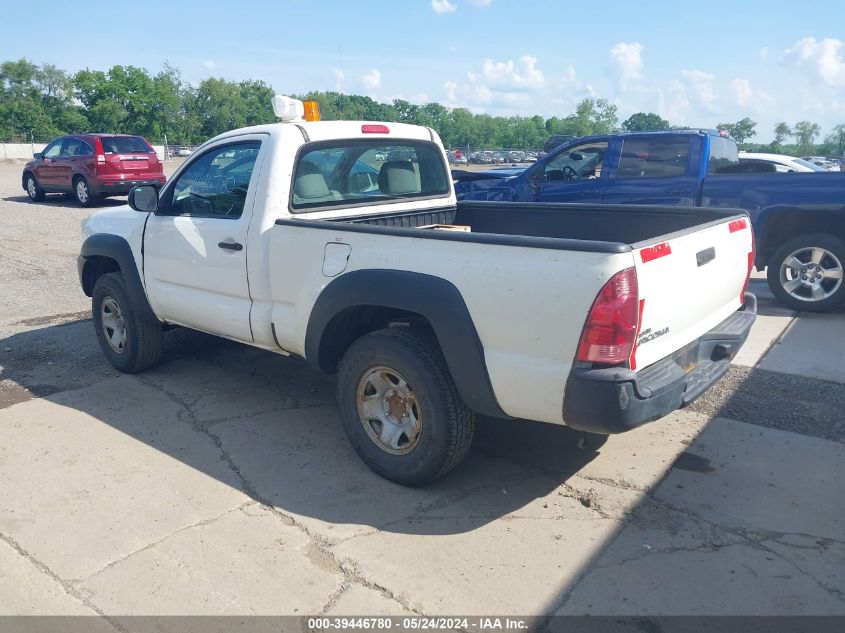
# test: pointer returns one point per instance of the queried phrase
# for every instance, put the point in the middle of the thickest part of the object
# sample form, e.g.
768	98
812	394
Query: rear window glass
346	173
125	145
723	154
663	157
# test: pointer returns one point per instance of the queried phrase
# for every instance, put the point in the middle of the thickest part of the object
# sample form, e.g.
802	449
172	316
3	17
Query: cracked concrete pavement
221	482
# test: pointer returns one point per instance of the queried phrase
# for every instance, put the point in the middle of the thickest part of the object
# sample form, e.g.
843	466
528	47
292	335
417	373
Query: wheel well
95	267
786	224
348	326
25	174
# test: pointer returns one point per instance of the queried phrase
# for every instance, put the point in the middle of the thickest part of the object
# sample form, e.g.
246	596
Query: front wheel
130	342
35	193
82	192
401	409
806	272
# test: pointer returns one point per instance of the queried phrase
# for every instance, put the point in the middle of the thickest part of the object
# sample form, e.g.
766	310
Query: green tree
805	132
782	132
643	121
741	131
836	139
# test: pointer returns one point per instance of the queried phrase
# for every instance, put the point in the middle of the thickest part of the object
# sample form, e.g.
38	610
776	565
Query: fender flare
117	248
434	298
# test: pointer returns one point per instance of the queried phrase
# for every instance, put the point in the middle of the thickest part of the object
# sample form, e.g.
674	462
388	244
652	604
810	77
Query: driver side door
195	246
574	174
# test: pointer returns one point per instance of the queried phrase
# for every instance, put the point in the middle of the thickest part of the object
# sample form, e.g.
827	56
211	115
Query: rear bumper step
615	399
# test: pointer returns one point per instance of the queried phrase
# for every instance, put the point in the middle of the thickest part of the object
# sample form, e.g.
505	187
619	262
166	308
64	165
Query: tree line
41	102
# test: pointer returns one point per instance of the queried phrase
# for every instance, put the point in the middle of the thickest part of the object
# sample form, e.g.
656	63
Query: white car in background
782	163
823	162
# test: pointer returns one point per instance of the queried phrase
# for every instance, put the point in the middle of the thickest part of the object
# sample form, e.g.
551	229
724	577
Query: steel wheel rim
389	410
811	274
82	191
113	325
31	189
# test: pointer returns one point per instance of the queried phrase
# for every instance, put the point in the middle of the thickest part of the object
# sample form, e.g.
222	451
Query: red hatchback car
91	166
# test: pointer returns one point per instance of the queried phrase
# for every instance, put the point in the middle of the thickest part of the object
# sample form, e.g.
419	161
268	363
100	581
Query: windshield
808	164
345	173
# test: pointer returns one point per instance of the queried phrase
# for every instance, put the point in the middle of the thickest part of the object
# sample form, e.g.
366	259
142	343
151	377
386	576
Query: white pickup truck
343	243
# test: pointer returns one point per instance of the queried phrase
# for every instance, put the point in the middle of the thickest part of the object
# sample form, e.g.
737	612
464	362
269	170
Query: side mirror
38	155
144	198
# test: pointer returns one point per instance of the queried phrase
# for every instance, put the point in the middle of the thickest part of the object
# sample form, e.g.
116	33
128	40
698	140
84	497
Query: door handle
231	246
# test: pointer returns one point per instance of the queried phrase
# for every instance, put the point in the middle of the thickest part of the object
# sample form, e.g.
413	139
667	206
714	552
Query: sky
694	63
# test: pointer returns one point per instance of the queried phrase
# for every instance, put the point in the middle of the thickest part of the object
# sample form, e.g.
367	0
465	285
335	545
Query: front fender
115	248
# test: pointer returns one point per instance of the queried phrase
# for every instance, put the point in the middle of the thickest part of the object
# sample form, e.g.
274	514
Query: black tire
446	422
34	192
82	192
142	343
801	298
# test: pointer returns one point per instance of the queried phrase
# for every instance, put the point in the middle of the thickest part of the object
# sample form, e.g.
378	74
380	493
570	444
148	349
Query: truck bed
601	228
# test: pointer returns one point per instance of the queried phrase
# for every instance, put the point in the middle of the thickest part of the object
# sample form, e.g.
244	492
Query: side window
72	147
582	162
723	155
216	183
85	149
53	149
664	157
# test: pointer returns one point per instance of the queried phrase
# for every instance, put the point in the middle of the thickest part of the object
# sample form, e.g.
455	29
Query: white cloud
700	84
210	64
823	57
443	6
747	97
626	62
339	76
498	85
510	76
481	3
673	103
372	79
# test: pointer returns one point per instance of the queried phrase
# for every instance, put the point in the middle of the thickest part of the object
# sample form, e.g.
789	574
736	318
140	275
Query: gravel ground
776	400
38	259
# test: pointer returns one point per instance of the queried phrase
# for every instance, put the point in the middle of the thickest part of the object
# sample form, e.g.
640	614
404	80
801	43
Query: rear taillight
611	328
101	154
751	257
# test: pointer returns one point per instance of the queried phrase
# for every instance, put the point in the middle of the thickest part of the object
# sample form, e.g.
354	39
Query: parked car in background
823	162
184	151
782	163
556	141
457	157
92	166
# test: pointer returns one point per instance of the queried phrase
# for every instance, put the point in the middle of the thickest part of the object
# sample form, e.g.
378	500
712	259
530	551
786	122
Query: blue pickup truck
798	219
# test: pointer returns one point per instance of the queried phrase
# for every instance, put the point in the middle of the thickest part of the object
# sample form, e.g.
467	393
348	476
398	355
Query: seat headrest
398	177
311	186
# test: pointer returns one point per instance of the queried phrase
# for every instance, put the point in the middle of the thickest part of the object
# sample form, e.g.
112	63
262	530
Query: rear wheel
806	272
401	409
83	193
35	193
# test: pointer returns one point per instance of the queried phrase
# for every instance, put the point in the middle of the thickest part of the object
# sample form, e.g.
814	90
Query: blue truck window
664	157
723	154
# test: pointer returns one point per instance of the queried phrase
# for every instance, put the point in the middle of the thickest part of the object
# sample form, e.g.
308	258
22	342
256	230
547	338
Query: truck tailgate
688	283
